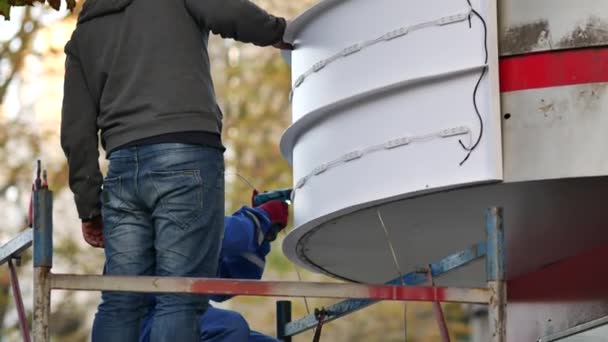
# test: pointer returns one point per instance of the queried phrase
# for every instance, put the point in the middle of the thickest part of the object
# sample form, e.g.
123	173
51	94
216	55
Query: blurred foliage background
252	84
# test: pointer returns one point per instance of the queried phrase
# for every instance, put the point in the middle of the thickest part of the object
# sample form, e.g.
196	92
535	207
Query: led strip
397	33
388	145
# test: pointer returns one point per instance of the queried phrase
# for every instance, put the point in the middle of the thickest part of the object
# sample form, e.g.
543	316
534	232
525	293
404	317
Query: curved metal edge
293	133
298	23
306	17
293	243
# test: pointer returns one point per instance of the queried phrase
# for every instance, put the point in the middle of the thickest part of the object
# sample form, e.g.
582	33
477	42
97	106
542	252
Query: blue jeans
163	212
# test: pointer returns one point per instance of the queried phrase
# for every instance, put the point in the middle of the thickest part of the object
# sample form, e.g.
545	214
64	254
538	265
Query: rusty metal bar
441	323
267	288
42	304
15	246
25	330
438	311
495	269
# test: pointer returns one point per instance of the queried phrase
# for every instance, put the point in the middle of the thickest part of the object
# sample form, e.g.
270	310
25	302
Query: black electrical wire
476	90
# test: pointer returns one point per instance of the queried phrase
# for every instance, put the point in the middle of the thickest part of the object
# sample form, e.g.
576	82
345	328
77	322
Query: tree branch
16	59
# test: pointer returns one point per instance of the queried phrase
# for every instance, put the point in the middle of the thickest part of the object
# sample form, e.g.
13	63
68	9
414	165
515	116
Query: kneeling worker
247	237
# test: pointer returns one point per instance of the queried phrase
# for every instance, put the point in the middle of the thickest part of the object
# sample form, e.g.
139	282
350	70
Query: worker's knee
226	323
237	324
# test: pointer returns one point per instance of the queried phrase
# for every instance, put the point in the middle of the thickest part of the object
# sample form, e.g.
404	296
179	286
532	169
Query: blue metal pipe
495	265
43	228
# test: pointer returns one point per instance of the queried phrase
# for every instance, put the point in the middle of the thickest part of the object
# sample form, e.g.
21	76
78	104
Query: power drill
263	197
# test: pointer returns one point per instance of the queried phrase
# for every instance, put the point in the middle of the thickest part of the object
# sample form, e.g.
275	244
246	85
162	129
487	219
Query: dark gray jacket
140	68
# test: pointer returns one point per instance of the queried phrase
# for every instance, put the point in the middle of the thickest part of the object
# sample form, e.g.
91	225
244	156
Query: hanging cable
470	149
284	232
397	267
242	178
305	298
390	246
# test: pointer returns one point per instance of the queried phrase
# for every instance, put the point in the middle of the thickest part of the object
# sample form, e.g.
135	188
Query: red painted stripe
407	293
553	69
278	289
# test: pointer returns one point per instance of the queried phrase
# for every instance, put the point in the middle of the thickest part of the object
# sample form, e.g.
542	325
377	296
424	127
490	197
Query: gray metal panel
555	132
545	221
595	326
542	25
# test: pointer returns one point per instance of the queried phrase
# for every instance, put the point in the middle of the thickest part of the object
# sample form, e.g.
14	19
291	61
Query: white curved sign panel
383	103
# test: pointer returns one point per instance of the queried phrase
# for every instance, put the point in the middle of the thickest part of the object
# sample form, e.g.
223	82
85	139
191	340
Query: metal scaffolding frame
10	254
493	251
360	295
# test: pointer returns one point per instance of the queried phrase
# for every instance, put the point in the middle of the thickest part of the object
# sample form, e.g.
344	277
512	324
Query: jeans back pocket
180	195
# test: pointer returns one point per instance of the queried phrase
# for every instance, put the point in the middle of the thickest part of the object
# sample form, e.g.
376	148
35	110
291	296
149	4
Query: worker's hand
253	194
281	45
92	231
278	212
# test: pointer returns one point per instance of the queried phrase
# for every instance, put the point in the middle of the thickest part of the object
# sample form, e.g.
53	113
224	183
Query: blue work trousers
219	325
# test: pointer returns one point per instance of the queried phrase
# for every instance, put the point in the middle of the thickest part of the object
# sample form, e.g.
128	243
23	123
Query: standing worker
138	72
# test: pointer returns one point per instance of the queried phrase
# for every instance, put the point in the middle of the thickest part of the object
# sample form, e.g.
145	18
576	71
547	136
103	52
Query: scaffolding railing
493	251
10	254
359	295
415	278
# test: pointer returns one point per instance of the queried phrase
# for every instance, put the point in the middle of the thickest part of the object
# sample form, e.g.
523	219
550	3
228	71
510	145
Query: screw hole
507	116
